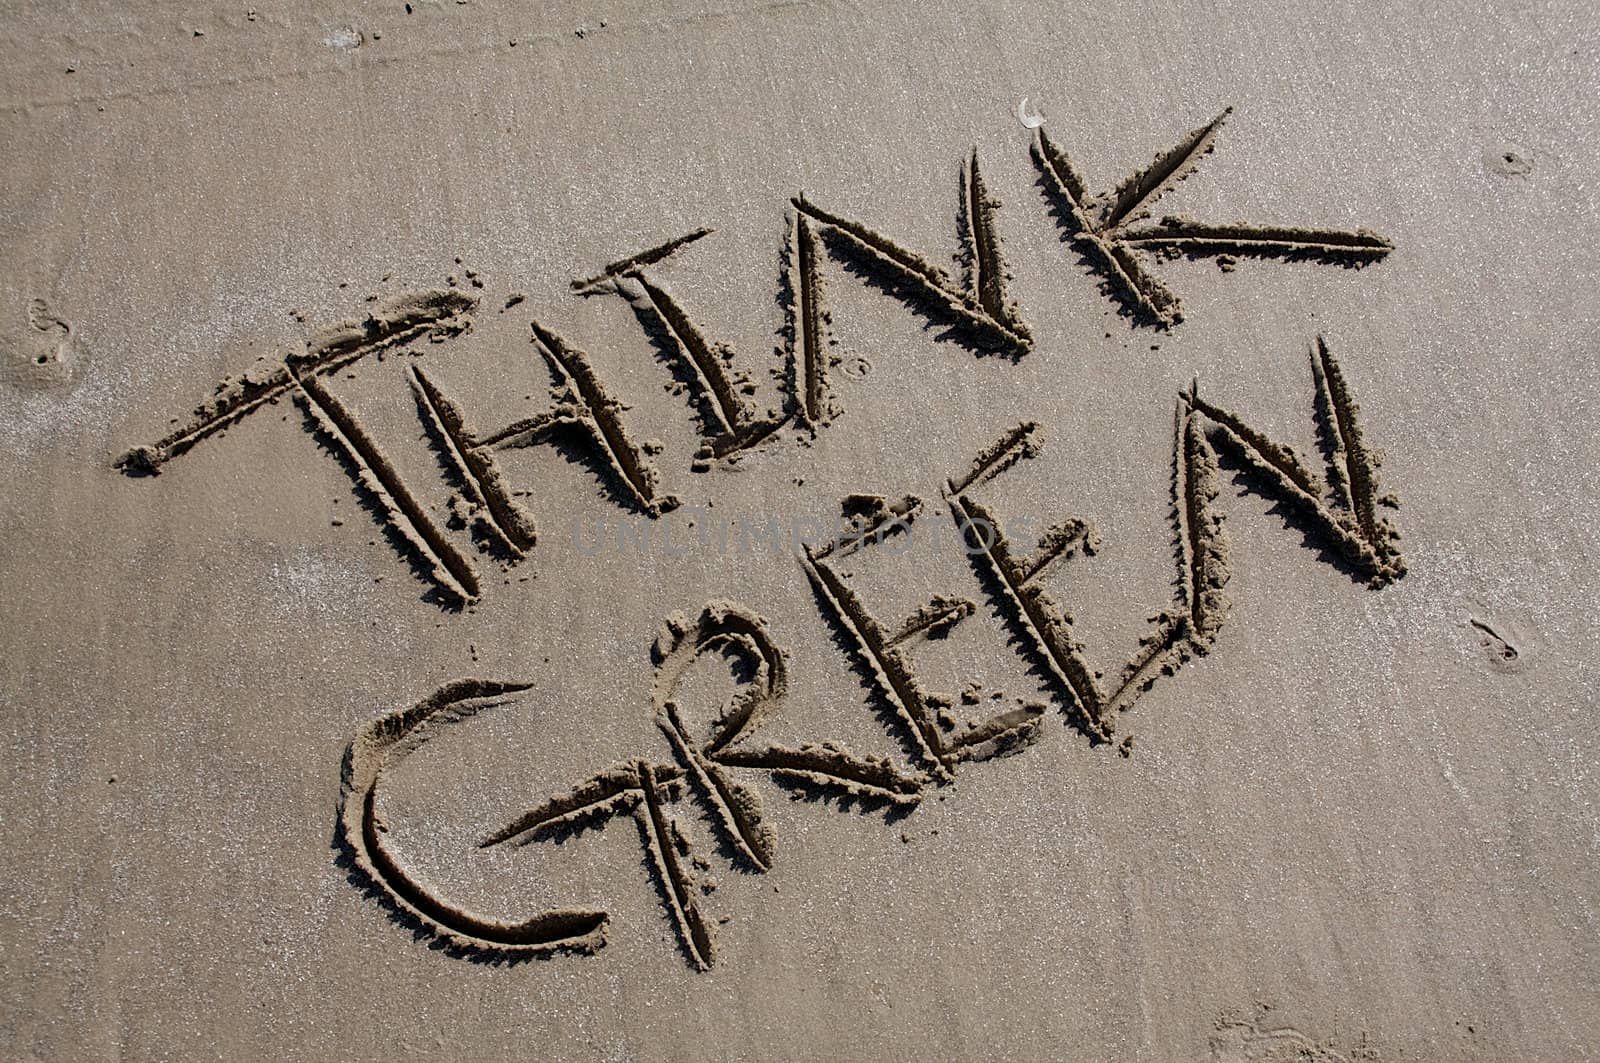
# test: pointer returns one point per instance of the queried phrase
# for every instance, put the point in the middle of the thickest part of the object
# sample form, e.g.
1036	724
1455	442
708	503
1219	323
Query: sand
799	531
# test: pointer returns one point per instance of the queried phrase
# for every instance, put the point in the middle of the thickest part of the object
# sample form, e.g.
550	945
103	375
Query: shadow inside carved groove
484	498
910	279
601	416
1102	229
1343	512
361	828
369	494
712	769
807	327
984	272
1120	278
406	524
634	263
921	716
727	422
715	774
1343	518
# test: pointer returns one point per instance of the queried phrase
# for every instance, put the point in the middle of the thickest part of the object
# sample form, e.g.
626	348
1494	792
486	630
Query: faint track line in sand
499	46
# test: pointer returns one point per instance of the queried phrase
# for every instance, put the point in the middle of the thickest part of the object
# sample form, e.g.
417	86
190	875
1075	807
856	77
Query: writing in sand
1339	509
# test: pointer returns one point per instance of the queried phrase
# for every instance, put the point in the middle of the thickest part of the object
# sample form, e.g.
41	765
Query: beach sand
435	627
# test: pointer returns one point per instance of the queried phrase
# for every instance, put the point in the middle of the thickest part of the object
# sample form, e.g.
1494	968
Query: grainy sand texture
734	530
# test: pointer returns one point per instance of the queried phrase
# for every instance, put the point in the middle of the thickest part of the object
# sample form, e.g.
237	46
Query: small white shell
1031	121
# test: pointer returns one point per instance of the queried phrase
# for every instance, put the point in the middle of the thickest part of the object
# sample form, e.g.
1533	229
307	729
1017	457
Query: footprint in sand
1248	1042
45	354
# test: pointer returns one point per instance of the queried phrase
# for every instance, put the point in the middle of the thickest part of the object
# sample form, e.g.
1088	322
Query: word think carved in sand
713	767
587	421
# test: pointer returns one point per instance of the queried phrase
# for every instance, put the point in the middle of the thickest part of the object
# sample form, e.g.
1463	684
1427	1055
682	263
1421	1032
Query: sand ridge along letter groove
1105	233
